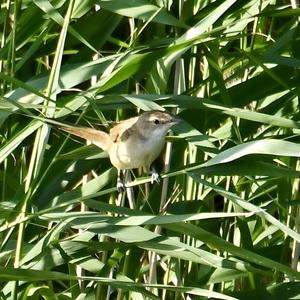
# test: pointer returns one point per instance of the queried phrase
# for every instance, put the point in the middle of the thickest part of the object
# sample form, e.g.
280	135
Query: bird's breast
135	153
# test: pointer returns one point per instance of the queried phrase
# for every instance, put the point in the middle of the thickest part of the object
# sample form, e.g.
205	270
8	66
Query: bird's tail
96	137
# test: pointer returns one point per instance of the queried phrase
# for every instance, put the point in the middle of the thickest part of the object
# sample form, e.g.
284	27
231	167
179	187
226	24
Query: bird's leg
120	184
154	176
129	190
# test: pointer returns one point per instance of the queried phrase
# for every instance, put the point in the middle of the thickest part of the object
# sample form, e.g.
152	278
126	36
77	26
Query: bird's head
156	123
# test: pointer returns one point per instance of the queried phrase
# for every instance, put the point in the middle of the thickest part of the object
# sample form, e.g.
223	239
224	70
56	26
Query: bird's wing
96	137
121	131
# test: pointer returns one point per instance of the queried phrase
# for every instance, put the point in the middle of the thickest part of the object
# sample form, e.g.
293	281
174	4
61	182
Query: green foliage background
224	222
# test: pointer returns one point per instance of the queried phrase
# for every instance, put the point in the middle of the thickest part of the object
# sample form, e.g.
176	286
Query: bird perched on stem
132	143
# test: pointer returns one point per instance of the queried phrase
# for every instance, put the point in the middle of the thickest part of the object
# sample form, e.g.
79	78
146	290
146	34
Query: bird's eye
156	121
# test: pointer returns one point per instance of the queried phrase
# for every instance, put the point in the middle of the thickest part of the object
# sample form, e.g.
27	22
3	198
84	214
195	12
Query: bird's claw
120	185
155	177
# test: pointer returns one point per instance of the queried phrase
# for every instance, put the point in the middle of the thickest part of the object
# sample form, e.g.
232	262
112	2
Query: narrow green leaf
251	208
270	147
18	138
141	9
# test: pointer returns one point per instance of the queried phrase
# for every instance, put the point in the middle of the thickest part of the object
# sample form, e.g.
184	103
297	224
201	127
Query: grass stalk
40	140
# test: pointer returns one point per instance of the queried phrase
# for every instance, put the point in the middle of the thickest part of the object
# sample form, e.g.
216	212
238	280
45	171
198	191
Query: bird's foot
120	185
154	177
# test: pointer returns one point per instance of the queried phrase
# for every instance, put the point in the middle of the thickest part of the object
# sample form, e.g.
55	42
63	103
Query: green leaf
270	147
141	9
18	138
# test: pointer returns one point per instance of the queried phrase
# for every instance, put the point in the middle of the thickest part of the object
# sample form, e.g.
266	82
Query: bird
132	143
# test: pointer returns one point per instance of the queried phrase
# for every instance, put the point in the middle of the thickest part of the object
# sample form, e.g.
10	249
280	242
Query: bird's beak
175	120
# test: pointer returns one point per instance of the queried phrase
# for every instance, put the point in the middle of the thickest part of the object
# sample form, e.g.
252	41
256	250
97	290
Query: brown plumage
132	143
